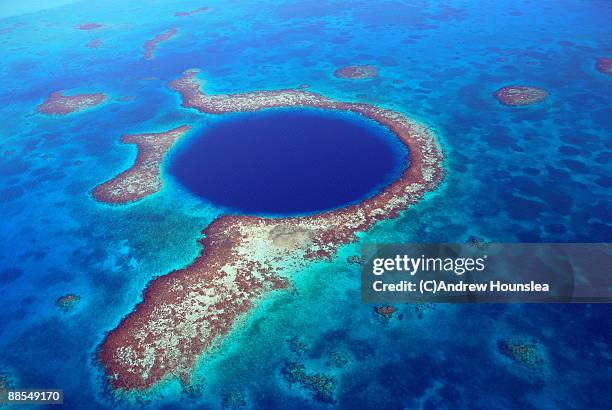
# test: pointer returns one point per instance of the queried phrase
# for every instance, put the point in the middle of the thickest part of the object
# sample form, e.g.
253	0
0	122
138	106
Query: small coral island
67	302
321	386
59	104
520	95
192	12
357	72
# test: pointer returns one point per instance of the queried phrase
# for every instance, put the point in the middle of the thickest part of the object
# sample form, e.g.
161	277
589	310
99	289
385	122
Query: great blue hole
288	162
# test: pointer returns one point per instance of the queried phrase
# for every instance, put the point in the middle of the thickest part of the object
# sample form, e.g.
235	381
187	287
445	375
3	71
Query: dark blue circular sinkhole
288	162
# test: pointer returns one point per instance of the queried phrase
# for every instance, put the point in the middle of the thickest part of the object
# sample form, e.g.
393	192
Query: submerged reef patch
418	310
88	26
297	346
320	385
354	260
95	43
59	104
339	359
526	353
519	95
185	313
151	45
67	302
604	65
143	177
357	72
192	12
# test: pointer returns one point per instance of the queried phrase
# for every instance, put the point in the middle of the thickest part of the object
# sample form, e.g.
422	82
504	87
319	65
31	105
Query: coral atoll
151	45
233	399
142	178
59	104
184	313
338	358
527	353
384	313
192	12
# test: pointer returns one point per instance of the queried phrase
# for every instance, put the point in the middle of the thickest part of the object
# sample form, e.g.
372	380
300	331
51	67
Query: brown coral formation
385	313
357	72
185	313
192	12
321	386
67	302
527	353
59	104
520	95
151	45
143	178
89	26
95	43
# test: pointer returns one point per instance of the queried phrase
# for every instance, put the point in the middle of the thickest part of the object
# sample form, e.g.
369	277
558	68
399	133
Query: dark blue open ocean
541	173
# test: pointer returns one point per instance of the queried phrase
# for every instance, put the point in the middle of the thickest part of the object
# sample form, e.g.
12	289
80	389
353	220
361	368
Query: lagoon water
288	162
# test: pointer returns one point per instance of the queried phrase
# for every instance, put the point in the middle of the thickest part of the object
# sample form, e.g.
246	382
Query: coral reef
419	309
354	260
95	43
520	95
477	242
151	45
67	302
185	313
527	353
321	386
357	72
59	104
7	382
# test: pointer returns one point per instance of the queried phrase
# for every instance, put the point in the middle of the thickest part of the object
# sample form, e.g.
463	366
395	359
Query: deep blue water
288	161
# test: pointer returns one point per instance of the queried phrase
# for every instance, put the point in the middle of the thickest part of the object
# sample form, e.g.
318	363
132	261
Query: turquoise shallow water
531	174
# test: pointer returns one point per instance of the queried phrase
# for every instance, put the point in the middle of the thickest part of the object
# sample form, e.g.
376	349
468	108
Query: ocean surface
541	173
